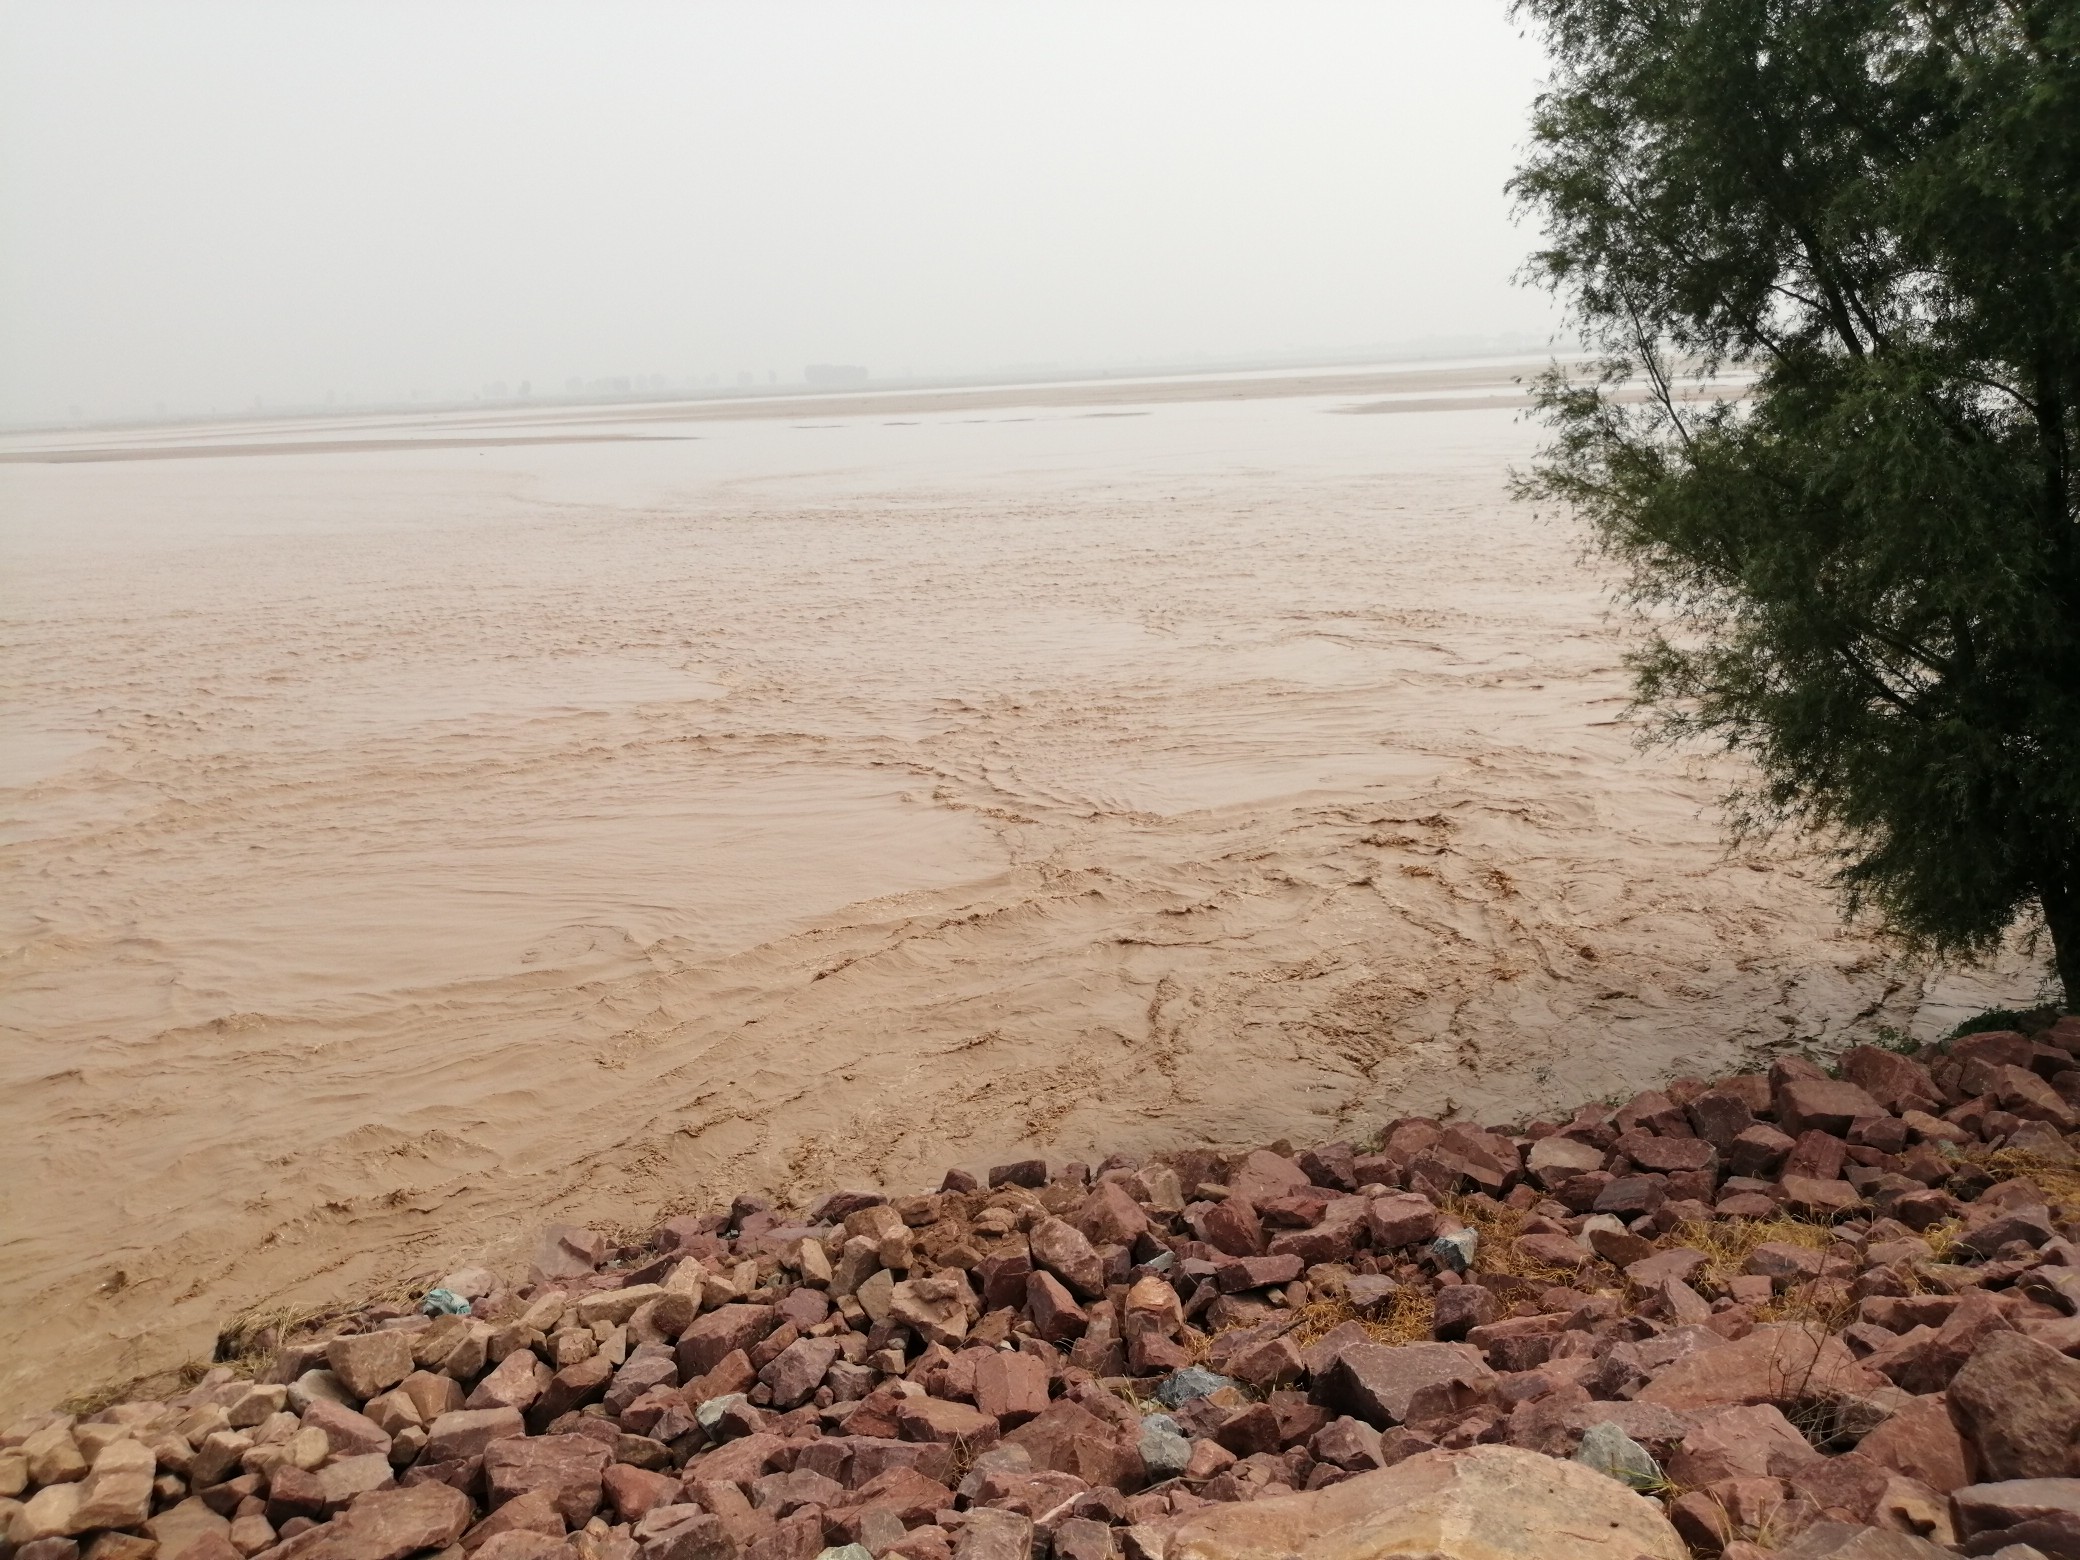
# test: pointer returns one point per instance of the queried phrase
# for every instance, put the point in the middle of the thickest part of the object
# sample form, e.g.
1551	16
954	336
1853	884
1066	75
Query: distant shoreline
1425	389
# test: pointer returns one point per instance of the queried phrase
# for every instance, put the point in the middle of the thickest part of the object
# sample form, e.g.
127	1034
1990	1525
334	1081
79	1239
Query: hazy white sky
211	201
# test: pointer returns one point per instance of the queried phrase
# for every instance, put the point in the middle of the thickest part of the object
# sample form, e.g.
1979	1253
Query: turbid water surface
418	829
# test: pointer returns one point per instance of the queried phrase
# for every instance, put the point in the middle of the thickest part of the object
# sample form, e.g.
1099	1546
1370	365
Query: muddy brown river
419	829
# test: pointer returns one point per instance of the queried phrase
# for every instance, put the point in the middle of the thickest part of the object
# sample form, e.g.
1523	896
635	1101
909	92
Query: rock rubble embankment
1804	1313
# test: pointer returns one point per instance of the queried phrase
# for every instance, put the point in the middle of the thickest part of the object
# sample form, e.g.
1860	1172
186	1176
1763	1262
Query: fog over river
441	826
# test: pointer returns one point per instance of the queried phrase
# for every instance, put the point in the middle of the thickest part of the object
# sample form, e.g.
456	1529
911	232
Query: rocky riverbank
1817	1312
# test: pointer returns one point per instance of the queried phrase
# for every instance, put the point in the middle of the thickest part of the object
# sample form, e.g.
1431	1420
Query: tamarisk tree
1829	252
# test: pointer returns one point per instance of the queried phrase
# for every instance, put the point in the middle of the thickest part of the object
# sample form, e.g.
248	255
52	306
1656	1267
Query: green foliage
1860	569
2027	1022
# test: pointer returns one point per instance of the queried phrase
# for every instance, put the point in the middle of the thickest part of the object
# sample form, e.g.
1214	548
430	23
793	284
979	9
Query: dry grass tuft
251	1339
1827	1307
2057	1178
1499	1228
1404	1317
161	1384
1942	1239
1728	1243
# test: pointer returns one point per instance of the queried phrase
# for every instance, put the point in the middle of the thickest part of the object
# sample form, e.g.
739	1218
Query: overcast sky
206	202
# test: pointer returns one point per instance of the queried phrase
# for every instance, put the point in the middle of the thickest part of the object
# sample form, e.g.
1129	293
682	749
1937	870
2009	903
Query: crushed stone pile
1813	1312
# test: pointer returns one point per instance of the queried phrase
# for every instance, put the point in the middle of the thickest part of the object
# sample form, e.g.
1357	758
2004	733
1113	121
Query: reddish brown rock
568	1467
903	1492
346	1479
1817	1156
1263	1175
1484	1503
1062	1249
1784	1364
1334	1239
1720	1115
1055	1314
1403	1219
709	1338
1376	1382
1682	1263
2030	1225
935	1419
1759	1151
369	1363
633	1492
1926	1359
2043	1513
1756	1441
1823	1105
1240	1273
2016	1403
1458	1310
390	1524
533	1513
2022	1093
1556	1160
1274	1362
1110	1217
349	1434
573	1387
1002	1279
1232	1227
1559	1252
521	1545
1010	1387
1920	1441
1069	1438
797	1371
1847	1486
991	1534
1830	1540
516	1382
1820	1199
1668	1155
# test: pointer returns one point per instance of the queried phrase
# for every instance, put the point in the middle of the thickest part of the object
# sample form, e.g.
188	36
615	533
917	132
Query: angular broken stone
370	1363
2017	1404
567	1467
391	1524
1612	1452
1377	1381
1063	1250
1783	1364
935	1308
1490	1502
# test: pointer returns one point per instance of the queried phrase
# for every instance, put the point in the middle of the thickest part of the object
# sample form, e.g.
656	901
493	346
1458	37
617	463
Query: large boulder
2044	1513
1920	1442
1785	1365
390	1524
1484	1503
2017	1405
568	1467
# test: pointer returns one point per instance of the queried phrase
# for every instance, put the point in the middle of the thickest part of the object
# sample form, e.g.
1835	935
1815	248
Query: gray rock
1610	1450
1194	1381
1457	1250
1164	1447
710	1413
318	1386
